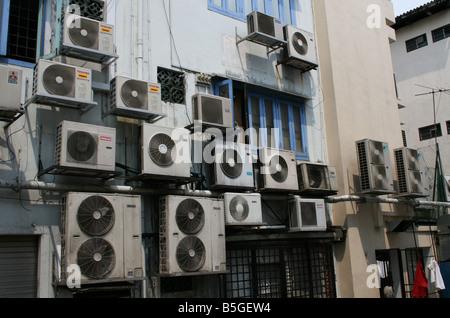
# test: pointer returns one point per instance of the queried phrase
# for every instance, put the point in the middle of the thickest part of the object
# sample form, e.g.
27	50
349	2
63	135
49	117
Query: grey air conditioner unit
278	170
316	179
307	215
62	84
11	81
165	152
131	97
374	167
87	39
101	234
232	166
212	111
85	146
300	51
264	29
243	209
192	236
409	175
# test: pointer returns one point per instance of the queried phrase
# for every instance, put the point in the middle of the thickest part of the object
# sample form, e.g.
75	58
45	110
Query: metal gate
300	269
18	266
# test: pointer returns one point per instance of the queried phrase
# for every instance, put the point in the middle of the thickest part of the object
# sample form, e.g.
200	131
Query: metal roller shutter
18	266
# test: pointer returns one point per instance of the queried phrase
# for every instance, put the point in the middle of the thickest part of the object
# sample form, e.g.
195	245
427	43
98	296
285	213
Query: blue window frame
278	122
239	9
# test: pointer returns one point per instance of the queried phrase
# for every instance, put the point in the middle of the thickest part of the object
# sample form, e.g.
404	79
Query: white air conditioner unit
278	170
192	236
62	84
317	179
264	29
307	214
134	96
87	39
211	110
233	165
374	167
300	51
101	233
243	209
165	152
409	175
11	81
85	146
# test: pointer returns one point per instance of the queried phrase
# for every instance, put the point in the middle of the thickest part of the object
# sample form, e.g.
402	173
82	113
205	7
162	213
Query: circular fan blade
96	258
190	216
161	147
300	43
239	208
135	94
316	177
379	176
278	168
95	216
81	146
59	80
413	157
191	254
231	163
376	152
84	32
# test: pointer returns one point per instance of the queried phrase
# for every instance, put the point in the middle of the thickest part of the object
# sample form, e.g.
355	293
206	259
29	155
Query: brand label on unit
83	75
13	77
154	89
105	138
106	29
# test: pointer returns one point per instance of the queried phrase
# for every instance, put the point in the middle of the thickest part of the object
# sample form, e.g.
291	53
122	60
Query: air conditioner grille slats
363	164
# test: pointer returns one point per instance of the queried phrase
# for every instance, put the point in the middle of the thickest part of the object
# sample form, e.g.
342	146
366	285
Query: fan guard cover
379	177
161	148
59	80
239	208
278	168
96	258
190	216
300	43
84	32
135	94
316	176
231	163
95	216
81	146
376	152
191	254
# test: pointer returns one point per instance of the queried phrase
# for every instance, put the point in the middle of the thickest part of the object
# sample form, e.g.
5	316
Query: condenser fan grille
81	146
161	149
96	258
316	177
95	216
239	208
190	216
379	177
278	168
191	254
135	94
231	163
300	43
376	152
84	32
413	159
59	80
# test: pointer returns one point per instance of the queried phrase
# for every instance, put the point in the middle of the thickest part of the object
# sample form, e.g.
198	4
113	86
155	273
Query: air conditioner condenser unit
11	81
212	111
243	209
264	29
307	215
409	174
317	179
278	170
300	51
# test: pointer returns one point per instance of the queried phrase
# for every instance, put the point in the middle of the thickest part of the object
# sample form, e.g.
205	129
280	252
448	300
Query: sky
402	6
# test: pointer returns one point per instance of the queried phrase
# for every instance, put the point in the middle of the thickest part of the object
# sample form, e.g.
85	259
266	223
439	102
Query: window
172	86
430	132
448	127
19	29
278	122
416	43
239	9
441	33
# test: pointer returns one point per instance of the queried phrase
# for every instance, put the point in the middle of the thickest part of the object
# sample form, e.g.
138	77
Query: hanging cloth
435	280
420	287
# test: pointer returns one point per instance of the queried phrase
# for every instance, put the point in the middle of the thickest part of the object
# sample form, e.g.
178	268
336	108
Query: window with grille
430	132
20	40
286	270
416	43
172	86
441	33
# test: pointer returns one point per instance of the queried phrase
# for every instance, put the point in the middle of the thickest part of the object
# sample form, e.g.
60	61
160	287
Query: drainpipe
140	39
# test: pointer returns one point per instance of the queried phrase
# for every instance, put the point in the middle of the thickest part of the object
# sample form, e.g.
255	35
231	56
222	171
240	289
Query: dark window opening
416	43
430	132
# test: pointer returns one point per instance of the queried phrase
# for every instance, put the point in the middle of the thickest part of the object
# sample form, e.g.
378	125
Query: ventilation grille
92	9
58	145
401	172
363	166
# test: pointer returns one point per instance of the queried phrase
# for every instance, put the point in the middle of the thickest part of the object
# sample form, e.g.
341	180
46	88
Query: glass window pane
248	6
298	129
275	10
256	123
271	142
217	3
232	5
285	126
287	12
261	7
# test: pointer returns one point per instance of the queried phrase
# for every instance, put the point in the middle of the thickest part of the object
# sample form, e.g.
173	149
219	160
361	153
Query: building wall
360	102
